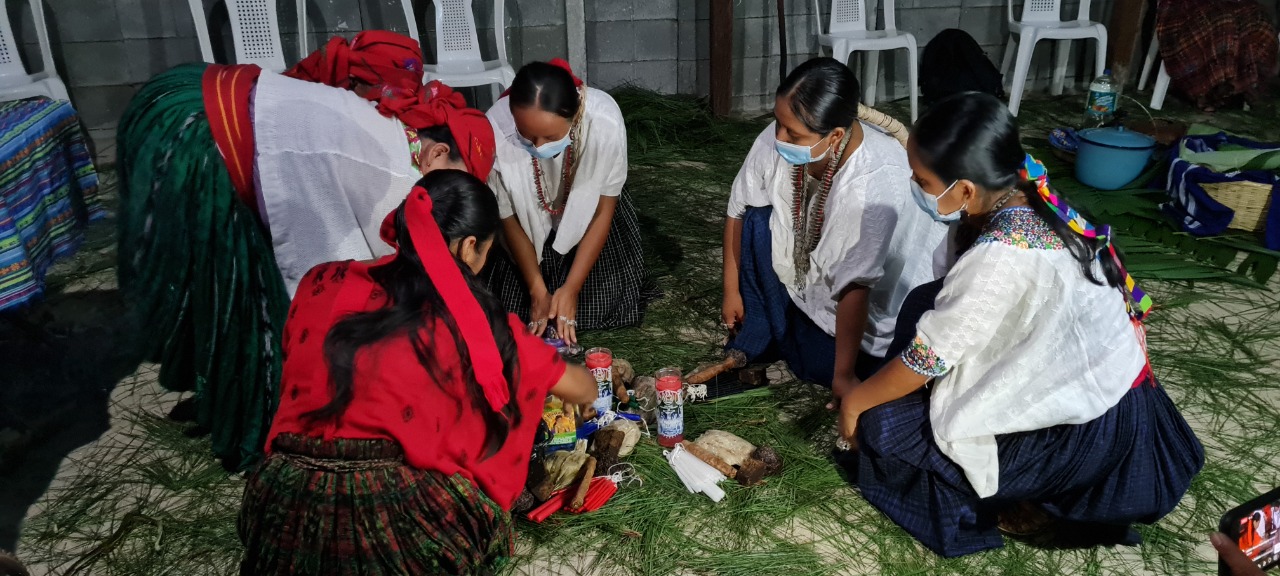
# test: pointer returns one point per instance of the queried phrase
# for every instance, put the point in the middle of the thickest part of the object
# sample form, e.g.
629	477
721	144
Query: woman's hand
564	313
731	309
849	424
539	310
841	387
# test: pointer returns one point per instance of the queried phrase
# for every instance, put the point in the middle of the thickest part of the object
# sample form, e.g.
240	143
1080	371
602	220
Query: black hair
548	88
440	134
824	94
462	206
972	136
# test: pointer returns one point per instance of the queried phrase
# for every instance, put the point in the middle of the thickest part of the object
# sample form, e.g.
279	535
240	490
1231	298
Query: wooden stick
711	459
733	359
584	484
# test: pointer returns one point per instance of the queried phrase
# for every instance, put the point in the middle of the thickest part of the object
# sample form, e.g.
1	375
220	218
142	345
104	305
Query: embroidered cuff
922	360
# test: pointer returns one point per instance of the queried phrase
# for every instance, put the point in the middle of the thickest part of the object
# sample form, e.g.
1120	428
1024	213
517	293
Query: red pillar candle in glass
600	363
670	407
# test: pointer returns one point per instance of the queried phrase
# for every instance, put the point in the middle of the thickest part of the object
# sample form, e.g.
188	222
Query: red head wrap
442	269
436	105
390	62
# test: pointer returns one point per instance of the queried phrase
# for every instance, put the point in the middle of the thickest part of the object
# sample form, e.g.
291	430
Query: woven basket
1249	200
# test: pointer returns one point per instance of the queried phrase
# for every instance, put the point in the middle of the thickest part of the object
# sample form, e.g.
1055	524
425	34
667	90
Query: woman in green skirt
198	253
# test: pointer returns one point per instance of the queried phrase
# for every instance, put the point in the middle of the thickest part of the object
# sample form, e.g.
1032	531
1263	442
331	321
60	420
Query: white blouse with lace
1020	340
601	158
874	233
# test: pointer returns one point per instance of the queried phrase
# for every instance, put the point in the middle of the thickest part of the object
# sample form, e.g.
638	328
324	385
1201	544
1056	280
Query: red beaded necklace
566	181
807	231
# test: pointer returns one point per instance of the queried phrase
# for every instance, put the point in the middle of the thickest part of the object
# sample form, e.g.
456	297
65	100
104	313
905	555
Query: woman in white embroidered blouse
1042	399
822	240
572	258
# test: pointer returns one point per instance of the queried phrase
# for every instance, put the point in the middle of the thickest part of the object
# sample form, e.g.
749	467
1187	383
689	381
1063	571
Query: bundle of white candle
698	476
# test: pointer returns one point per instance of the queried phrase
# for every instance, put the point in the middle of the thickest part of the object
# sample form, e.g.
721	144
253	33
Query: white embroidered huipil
1020	340
601	158
874	234
329	167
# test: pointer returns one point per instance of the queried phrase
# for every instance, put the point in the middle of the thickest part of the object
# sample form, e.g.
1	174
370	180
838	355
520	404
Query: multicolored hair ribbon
1137	300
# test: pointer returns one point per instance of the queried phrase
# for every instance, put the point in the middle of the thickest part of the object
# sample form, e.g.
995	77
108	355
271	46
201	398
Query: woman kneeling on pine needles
1042	402
410	402
572	256
822	241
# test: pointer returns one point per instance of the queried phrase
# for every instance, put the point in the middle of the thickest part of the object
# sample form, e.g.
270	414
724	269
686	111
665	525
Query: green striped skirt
198	267
353	507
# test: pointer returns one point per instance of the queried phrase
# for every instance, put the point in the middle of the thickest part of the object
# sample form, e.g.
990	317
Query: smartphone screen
1259	534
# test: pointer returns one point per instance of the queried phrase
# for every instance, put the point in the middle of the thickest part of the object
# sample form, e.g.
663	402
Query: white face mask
929	203
545	151
797	154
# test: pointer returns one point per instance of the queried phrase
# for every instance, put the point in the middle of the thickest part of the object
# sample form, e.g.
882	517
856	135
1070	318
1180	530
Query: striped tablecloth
48	192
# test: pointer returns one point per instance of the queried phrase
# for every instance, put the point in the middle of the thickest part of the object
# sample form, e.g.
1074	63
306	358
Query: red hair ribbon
442	269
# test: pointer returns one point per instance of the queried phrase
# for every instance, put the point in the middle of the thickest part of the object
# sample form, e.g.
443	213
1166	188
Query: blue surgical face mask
547	150
929	203
796	154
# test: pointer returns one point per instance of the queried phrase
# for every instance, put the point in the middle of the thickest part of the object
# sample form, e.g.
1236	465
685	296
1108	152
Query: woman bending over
572	258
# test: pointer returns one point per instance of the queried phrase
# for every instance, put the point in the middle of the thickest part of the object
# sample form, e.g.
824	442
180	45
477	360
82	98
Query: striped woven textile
48	192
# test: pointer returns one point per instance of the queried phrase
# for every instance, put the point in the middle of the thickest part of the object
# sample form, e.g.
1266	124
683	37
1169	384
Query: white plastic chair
1161	88
15	82
304	50
850	31
458	60
1041	20
255	33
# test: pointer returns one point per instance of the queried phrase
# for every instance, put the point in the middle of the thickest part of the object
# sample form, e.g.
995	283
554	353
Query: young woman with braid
572	258
822	239
1019	385
409	407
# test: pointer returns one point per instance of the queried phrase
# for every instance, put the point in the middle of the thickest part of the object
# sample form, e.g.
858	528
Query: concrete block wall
756	47
105	49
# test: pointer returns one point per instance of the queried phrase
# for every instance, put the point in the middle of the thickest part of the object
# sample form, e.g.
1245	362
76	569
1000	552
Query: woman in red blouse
409	404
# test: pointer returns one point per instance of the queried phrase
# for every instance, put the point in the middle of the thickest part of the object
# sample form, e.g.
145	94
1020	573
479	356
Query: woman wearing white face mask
572	258
822	240
1022	392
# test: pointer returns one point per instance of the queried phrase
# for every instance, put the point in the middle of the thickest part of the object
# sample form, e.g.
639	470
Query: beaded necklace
808	231
556	208
566	182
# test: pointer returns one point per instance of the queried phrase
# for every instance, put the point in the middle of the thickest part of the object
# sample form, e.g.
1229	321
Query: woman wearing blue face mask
823	239
1023	394
572	260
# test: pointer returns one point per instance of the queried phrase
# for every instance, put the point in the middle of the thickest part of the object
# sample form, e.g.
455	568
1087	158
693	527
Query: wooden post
1125	31
721	57
782	41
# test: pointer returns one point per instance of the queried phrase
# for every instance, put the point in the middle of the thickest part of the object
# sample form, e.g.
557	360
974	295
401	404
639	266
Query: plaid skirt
1132	464
353	507
1216	50
616	291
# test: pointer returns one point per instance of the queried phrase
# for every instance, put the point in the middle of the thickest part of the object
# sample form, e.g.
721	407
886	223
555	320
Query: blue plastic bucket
1109	158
